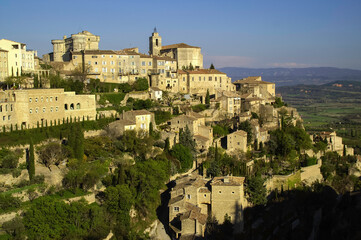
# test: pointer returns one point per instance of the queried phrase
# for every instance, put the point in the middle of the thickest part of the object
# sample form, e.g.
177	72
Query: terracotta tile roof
205	71
194	213
201	138
176	199
3	50
204	190
178	45
240	132
96	52
144	55
232	181
194	114
164	58
138	112
155	89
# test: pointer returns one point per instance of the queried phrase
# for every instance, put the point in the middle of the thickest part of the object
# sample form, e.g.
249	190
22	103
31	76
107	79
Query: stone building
202	134
194	198
19	59
62	48
334	142
138	121
30	108
184	54
4	72
235	141
229	103
200	80
257	88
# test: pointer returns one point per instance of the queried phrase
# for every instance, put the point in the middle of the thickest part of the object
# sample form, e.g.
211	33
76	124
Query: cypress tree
212	66
150	129
79	143
208	100
31	161
166	145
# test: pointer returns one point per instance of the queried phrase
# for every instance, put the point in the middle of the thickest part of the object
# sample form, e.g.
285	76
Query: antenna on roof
155	29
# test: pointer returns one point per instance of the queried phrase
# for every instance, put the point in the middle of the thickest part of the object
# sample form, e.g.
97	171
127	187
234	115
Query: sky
243	33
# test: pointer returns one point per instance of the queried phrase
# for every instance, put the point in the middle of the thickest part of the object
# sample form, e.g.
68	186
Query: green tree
79	143
256	190
208	101
184	155
212	66
31	161
186	139
246	126
36	81
141	84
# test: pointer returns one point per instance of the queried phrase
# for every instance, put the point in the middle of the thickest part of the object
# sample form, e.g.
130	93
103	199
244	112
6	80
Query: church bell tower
155	43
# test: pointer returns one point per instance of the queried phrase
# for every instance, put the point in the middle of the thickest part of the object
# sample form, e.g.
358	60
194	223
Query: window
11	107
215	79
119	63
143	63
200	78
220	192
30	99
56	99
89	62
143	71
111	56
3	118
51	99
51	109
96	70
75	57
56	109
188	196
9	117
104	63
205	195
78	106
43	109
95	63
72	106
66	106
31	110
94	56
104	70
103	56
184	79
133	63
112	70
111	62
42	99
149	63
36	99
193	79
210	78
47	99
176	209
232	192
36	110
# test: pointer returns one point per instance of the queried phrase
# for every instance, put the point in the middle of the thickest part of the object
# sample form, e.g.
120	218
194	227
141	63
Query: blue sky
243	33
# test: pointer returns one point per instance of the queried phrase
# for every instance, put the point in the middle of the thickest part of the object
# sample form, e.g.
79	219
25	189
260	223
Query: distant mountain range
295	76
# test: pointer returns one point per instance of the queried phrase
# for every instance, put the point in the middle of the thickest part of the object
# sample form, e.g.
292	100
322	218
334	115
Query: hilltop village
113	127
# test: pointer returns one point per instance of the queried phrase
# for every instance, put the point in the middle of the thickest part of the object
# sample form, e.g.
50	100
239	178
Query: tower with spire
155	43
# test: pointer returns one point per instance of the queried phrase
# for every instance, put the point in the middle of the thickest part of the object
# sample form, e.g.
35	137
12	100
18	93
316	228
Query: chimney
226	179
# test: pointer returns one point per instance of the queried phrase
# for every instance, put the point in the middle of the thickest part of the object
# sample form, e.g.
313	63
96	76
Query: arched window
72	106
78	106
66	106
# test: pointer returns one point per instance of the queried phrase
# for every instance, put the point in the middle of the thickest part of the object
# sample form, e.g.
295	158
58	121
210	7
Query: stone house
235	141
138	120
202	134
229	103
155	93
256	87
194	198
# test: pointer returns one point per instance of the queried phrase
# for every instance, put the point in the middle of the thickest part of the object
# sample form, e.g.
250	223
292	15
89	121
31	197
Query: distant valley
295	76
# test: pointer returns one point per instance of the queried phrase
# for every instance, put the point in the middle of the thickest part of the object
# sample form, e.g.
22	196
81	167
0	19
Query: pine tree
31	161
212	66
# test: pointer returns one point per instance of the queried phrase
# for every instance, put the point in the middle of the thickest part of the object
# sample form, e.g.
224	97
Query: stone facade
237	141
138	120
229	103
18	58
203	135
4	72
257	88
81	41
32	107
194	198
